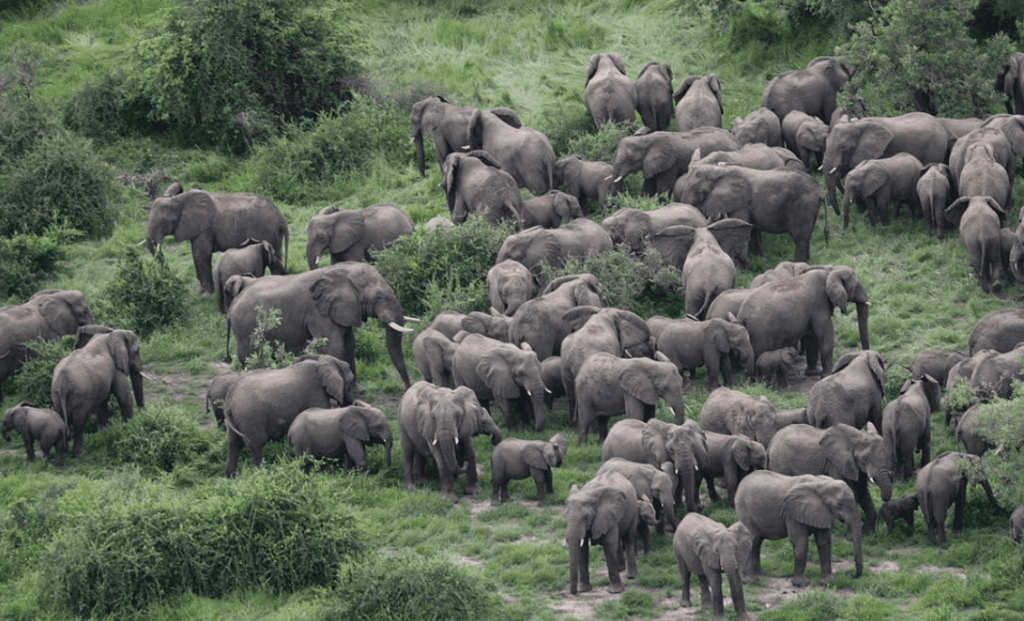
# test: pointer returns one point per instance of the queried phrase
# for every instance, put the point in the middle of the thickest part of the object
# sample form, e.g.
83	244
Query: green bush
27	260
1000	422
23	118
762	22
32	382
161	438
109	109
143	296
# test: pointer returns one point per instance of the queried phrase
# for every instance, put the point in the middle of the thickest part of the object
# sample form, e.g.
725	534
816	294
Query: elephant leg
234	448
825	336
30	446
684	574
602	428
863	495
799	541
102	413
78	431
348	350
959	505
823	539
472	487
540	478
754	569
202	252
356	452
712	492
810	346
706	596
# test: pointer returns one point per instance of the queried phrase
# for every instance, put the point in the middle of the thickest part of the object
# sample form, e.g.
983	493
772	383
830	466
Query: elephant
960	373
522	152
518	459
782	271
805	135
507	374
1000	330
999	149
665	156
587	181
551	373
968	434
438	223
873	184
1010	82
690	344
811	90
340	433
217	392
234	285
654	95
958	128
448	123
752	155
729	411
494	325
215	223
917	133
984	175
773	201
899	509
47	315
841	451
475	183
906	424
657	442
328	302
699	102
707	548
943	483
540	322
102	363
779	314
934	363
652	482
261	405
993	375
980	218
707	268
253	258
36	424
760	127
576	239
776	365
633	228
509	286
433	353
351	234
1017	523
852	394
933	193
731	458
773	506
550	210
610	95
607	385
441	423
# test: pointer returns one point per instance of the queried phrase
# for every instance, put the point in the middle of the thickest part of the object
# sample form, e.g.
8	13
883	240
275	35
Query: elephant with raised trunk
36	424
610	95
340	433
709	549
811	90
654	95
351	234
518	459
474	182
665	156
690	344
252	259
699	102
215	223
502	373
853	394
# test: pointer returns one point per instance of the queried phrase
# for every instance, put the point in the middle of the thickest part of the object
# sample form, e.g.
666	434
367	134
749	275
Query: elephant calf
776	365
340	433
899	509
253	258
517	459
731	457
707	548
37	424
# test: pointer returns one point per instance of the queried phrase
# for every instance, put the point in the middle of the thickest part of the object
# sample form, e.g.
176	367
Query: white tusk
618	179
547	390
608	178
397	328
581	542
529	394
871	478
141	243
673	410
456	439
318	257
834	168
434	443
147	376
413	319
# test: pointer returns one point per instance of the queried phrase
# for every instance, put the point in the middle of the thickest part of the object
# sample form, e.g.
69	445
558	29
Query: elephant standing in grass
550	210
731	458
509	286
522	152
933	193
853	394
652	482
576	239
708	270
934	363
654	95
351	234
36	424
873	184
540	322
433	353
587	181
518	459
253	259
729	411
761	126
707	548
340	433
968	435
981	219
634	228
610	94
665	156
993	375
943	483
690	344
775	366
475	183
1000	330
504	373
1000	149
811	90
446	122
899	509
699	102
906	424
805	135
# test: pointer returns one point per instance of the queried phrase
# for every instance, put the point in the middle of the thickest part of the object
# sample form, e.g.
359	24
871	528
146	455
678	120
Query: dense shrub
23	118
109	109
161	438
1001	423
26	260
763	22
144	295
32	382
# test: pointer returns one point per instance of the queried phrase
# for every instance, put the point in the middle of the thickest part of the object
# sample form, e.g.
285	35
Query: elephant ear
533	456
485	157
729	187
617	61
348	230
55	305
803	504
660	156
653	442
685	86
877	366
495	369
353	424
705	543
85	333
872	141
956	210
741	453
733	236
839	458
842	285
337	297
844	361
744	541
673	243
118	345
595	60
450	170
873	177
425	406
336	377
716	88
633	333
508	116
611	505
716	333
470	412
637	382
577	316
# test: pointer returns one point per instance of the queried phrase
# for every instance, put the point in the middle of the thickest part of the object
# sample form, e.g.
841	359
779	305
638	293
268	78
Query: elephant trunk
736	591
417	138
443	446
313	252
575	538
847	199
883	479
862	324
831	171
1017	260
140	398
677	405
536	391
394	344
855	535
746	351
686	470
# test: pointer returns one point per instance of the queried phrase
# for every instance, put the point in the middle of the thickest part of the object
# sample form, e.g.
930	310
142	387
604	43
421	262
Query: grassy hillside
162	473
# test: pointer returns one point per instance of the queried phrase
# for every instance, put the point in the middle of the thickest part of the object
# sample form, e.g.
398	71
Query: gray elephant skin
852	394
261	405
587	181
215	223
897	509
633	228
980	219
340	434
729	411
811	90
551	373
1000	330
450	323
217	392
934	363
252	259
550	210
707	548
36	424
540	322
933	193
433	353
773	506
994	374
804	135
775	366
731	458
968	433
708	270
1001	150
509	286
514	459
475	183
102	363
690	344
522	152
1010	82
760	127
505	374
447	123
1017	523
577	238
874	184
440	423
665	156
942	484
351	234
654	95
984	174
906	424
752	155
329	303
699	102
652	482
610	95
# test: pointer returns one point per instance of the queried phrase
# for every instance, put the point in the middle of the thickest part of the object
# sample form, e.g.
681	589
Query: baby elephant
899	509
777	364
340	433
36	423
517	459
707	548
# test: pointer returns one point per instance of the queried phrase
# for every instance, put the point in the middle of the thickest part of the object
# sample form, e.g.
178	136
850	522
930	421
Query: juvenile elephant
540	322
102	363
587	181
504	373
906	423
518	459
433	353
899	509
761	126
652	482
215	223
933	193
509	286
576	239
999	147
634	228
217	391
732	412
731	458
773	506
340	433
937	364
943	483
610	95
475	183
690	344
699	102
873	184
708	269
804	135
450	323
654	95
550	210
981	219
776	365
351	234
993	375
440	423
707	548
852	394
253	258
36	424
811	90
262	405
665	156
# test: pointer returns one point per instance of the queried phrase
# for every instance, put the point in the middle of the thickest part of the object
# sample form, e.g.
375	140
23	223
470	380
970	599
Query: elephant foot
800	581
450	496
812	371
584	588
472	489
867	529
685	602
495	501
826	579
616	588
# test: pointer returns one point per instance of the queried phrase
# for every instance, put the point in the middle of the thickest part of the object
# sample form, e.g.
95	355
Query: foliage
267	353
1000	422
144	296
27	260
161	438
109	109
23	118
763	22
843	14
33	381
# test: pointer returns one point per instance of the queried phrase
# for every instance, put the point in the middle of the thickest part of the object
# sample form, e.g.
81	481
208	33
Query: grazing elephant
340	433
773	506
261	405
773	201
776	365
805	135
943	483
577	239
215	223
906	424
587	181
550	210
522	152
968	433
707	548
732	412
852	394
811	90
551	373
652	482
981	218
761	126
999	147
933	193
504	373
934	363
731	458
448	123
993	375
217	392
433	353
781	313
440	423
1010	82
699	102
665	156
328	302
540	322
899	509
252	259
690	344
841	451
351	234
36	424
708	270
509	286
633	228
610	95
654	95
518	459
102	363
1017	523
475	183
752	155
873	184
494	325
1000	330
47	315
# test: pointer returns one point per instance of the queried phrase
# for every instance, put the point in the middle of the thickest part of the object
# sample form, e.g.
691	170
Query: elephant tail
60	404
227	341
230	427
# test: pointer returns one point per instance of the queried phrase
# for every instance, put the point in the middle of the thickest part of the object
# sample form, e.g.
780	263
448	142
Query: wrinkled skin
1001	151
690	344
433	353
761	126
340	433
699	102
253	258
217	391
446	122
804	135
577	238
708	270
36	424
509	286
731	458
811	90
652	482
709	549
933	193
587	181
934	363
351	234
968	433
981	218
874	184
942	484
852	394
1010	82
993	376
475	183
906	424
665	156
773	506
985	174
732	412
539	322
519	459
654	95
603	512
610	95
775	366
450	323
634	228
1000	330
753	155
550	210
502	373
521	151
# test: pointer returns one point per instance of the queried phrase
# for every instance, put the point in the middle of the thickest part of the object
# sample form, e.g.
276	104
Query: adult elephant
805	135
707	548
906	424
729	411
811	90
433	352
576	239
841	451
731	458
1001	151
587	181
610	95
474	182
665	156
934	194
654	95
773	201
350	234
252	259
324	303
934	363
773	506
632	228
969	436
873	184
540	323
943	484
340	433
983	174
509	286
447	123
505	374
1000	330
654	483
760	127
980	219
215	223
782	313
707	268
994	375
699	102
690	344
852	394
522	152
550	210
1010	82
440	423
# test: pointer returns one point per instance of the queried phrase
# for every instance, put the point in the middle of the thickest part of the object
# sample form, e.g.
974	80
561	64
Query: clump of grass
144	296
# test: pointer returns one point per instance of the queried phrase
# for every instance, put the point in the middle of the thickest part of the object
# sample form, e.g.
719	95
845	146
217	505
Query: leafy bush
33	381
144	295
1000	422
26	260
763	22
161	438
23	118
109	109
